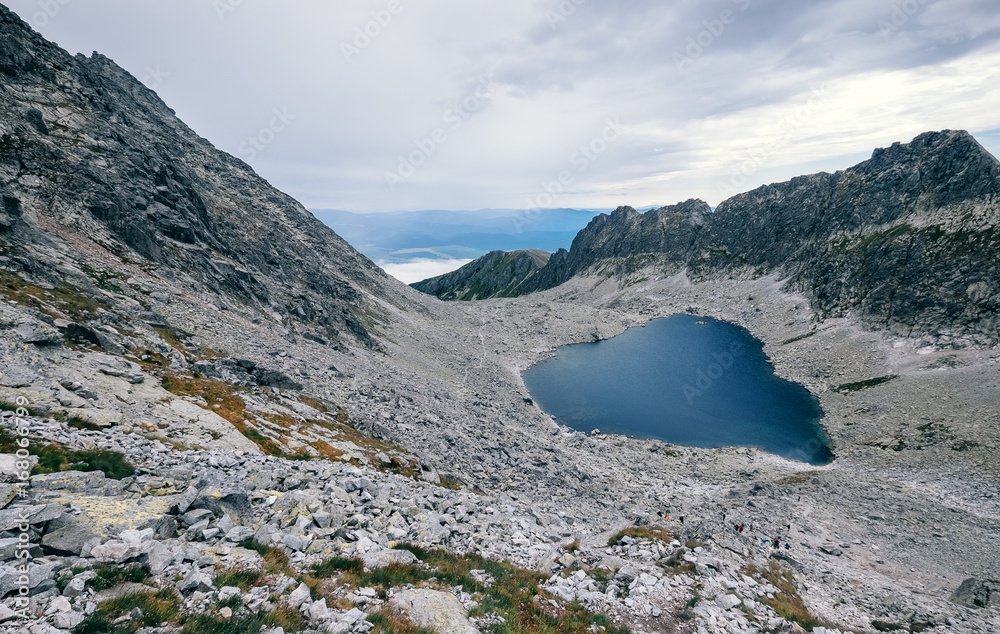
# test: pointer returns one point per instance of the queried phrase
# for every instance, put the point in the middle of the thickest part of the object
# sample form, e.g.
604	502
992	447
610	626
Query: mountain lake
685	380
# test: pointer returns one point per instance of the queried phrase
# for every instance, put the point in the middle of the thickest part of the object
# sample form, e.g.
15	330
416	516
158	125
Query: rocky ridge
905	240
93	161
496	274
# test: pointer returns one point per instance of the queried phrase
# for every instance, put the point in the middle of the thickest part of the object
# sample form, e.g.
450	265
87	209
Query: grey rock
882	238
437	611
195	581
298	596
11	518
496	274
69	537
978	593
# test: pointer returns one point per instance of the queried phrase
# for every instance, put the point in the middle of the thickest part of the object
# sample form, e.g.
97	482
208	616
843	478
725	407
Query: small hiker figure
787	546
741	528
776	543
682	519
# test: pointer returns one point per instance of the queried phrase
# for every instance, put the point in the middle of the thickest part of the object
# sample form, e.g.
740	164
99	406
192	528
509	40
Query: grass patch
864	385
111	576
385	622
175	339
266	445
242	579
285	618
275	559
511	594
786	602
53	458
156	609
642	532
314	403
224	399
336	565
62	301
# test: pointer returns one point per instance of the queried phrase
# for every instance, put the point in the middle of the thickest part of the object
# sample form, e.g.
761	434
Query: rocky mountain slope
234	421
907	240
101	159
496	274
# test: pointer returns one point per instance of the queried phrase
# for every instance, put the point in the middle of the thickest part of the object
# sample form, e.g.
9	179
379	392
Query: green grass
786	602
156	609
275	559
283	617
511	595
390	623
53	458
336	565
242	579
111	576
864	385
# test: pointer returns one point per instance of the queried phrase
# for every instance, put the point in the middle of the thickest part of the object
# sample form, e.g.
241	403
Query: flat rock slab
438	611
123	590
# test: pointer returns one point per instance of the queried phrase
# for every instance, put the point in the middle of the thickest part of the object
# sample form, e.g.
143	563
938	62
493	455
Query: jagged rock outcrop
89	153
496	274
907	239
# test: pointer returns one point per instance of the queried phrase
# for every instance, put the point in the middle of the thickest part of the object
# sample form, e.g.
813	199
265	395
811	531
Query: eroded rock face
907	239
496	274
86	148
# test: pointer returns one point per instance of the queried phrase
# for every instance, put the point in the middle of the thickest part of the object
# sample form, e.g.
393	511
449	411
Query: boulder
978	593
9	470
15	516
441	612
376	559
123	590
72	537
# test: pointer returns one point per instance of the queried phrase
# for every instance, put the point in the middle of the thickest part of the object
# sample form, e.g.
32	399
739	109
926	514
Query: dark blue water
686	380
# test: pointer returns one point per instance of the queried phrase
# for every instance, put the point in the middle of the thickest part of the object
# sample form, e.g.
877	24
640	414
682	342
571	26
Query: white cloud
556	84
420	268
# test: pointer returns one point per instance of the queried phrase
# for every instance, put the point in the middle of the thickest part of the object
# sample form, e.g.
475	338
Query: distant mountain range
908	240
397	237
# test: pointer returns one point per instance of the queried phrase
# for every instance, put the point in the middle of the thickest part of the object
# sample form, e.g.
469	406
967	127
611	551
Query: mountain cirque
905	241
285	402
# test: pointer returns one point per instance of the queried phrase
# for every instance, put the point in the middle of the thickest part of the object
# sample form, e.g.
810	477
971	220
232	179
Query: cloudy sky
376	105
